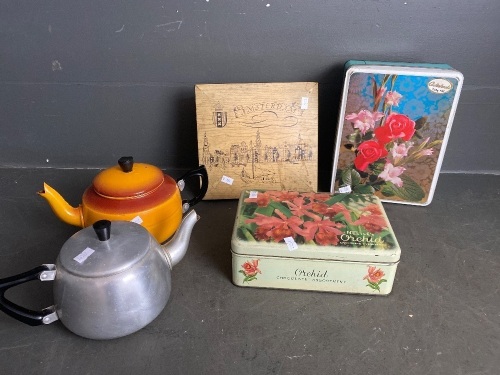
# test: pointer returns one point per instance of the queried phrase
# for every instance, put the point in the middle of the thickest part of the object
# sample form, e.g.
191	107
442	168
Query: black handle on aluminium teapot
30	317
201	172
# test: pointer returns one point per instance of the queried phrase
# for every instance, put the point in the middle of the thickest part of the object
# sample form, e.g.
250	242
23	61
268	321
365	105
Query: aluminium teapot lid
104	249
128	179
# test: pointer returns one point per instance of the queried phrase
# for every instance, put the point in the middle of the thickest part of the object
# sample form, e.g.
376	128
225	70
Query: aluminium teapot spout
62	209
176	248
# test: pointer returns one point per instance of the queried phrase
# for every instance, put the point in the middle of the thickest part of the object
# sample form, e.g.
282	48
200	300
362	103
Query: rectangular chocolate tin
394	123
314	241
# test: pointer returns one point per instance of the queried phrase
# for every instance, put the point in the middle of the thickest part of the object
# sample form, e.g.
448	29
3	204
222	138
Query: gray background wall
82	83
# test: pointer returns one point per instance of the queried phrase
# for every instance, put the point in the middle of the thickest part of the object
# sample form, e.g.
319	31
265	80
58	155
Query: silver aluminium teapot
110	280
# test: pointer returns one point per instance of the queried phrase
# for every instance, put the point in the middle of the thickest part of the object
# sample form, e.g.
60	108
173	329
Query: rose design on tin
250	270
374	277
369	152
395	127
385	143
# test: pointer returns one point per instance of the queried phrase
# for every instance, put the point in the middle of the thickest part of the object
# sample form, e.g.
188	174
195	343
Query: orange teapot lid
128	179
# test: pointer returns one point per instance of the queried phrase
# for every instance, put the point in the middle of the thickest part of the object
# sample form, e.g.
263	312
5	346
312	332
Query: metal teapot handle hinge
50	315
50	274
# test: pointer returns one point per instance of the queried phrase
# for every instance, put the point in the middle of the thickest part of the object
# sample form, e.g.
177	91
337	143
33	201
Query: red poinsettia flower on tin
374	277
250	270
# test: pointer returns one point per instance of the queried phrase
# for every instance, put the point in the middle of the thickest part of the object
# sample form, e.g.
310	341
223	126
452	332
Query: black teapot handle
201	172
30	317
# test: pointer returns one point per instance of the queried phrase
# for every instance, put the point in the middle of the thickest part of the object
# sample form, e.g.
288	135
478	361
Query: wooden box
394	124
258	136
314	241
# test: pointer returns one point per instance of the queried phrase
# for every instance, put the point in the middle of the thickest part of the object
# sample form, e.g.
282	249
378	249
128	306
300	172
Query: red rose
368	152
395	126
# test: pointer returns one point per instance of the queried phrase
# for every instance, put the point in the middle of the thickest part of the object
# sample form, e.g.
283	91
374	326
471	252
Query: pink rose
368	152
374	274
393	98
395	126
251	268
392	173
364	120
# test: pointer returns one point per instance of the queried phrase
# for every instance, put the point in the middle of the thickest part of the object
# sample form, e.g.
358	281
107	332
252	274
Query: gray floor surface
442	317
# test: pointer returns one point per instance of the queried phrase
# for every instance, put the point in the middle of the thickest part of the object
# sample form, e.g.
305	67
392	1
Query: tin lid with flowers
347	227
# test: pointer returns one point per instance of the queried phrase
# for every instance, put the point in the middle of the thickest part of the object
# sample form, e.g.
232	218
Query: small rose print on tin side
374	277
250	270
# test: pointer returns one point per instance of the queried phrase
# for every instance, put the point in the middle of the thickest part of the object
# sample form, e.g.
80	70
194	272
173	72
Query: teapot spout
176	248
62	209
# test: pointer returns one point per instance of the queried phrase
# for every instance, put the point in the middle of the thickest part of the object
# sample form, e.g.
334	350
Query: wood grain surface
258	136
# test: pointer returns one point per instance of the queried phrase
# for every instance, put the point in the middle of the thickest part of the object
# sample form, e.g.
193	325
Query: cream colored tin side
311	274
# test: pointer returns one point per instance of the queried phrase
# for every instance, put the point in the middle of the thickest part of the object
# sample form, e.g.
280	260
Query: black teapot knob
126	163
103	229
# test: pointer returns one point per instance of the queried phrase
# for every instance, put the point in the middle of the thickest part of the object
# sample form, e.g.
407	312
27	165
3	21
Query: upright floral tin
314	241
393	127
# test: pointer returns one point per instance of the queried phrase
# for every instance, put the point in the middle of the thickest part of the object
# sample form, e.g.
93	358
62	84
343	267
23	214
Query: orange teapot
133	192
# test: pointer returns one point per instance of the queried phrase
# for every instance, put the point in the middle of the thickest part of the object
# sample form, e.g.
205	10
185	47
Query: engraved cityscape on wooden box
258	135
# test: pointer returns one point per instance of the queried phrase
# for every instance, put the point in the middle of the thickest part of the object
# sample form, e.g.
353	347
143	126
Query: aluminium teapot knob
126	163
102	229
